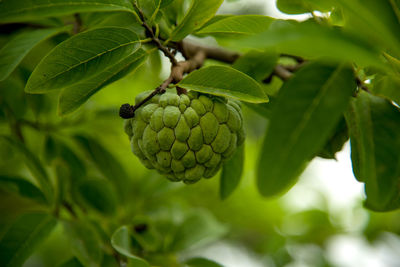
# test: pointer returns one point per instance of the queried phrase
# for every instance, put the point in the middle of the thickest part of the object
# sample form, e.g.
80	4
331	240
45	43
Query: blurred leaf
23	237
224	81
258	65
375	144
387	86
201	262
72	97
74	262
374	20
311	40
22	187
165	3
199	13
121	242
145	234
84	242
35	166
231	173
304	6
99	195
25	10
150	8
197	229
336	141
106	163
237	25
71	61
12	53
308	107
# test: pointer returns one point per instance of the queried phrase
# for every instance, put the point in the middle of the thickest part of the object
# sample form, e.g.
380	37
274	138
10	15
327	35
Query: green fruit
186	137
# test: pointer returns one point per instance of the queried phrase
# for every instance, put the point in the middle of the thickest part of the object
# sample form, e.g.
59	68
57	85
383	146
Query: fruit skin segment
185	137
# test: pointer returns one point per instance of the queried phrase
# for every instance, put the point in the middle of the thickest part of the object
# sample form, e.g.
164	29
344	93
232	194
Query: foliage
67	171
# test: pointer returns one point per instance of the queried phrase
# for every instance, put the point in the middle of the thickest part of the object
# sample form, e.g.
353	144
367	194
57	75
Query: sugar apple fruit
185	137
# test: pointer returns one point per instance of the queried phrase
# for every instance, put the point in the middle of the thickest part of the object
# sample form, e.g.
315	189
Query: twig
77	23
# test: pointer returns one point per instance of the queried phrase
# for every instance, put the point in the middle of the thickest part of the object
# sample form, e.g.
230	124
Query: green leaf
85	242
150	8
73	262
224	81
105	162
387	86
304	6
35	166
81	57
199	13
336	141
12	53
237	25
231	173
375	143
121	241
23	237
72	97
201	262
307	109
311	40
256	64
22	187
98	194
197	229
25	10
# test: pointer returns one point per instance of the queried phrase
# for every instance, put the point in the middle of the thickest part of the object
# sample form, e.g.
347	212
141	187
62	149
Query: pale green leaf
199	13
224	81
23	237
231	173
12	53
25	10
72	97
306	111
80	57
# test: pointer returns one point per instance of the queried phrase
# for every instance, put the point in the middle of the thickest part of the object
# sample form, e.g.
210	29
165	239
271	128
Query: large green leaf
336	142
121	241
256	64
25	10
85	242
304	6
23	237
22	187
12	53
35	166
201	262
311	40
199	13
375	144
74	262
150	8
99	195
307	109
387	86
237	25
231	173
72	97
81	57
224	81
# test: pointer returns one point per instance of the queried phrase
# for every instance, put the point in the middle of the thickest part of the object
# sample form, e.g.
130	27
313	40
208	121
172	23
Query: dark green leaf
258	65
74	262
72	97
311	40
307	109
99	195
84	242
22	187
121	241
150	8
25	10
304	6
201	262
231	173
388	87
80	57
237	25
336	141
12	53
35	166
105	162
375	144
224	81
199	13
23	237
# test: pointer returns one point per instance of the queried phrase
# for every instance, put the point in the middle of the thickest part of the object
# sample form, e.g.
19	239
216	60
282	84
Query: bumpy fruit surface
185	137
